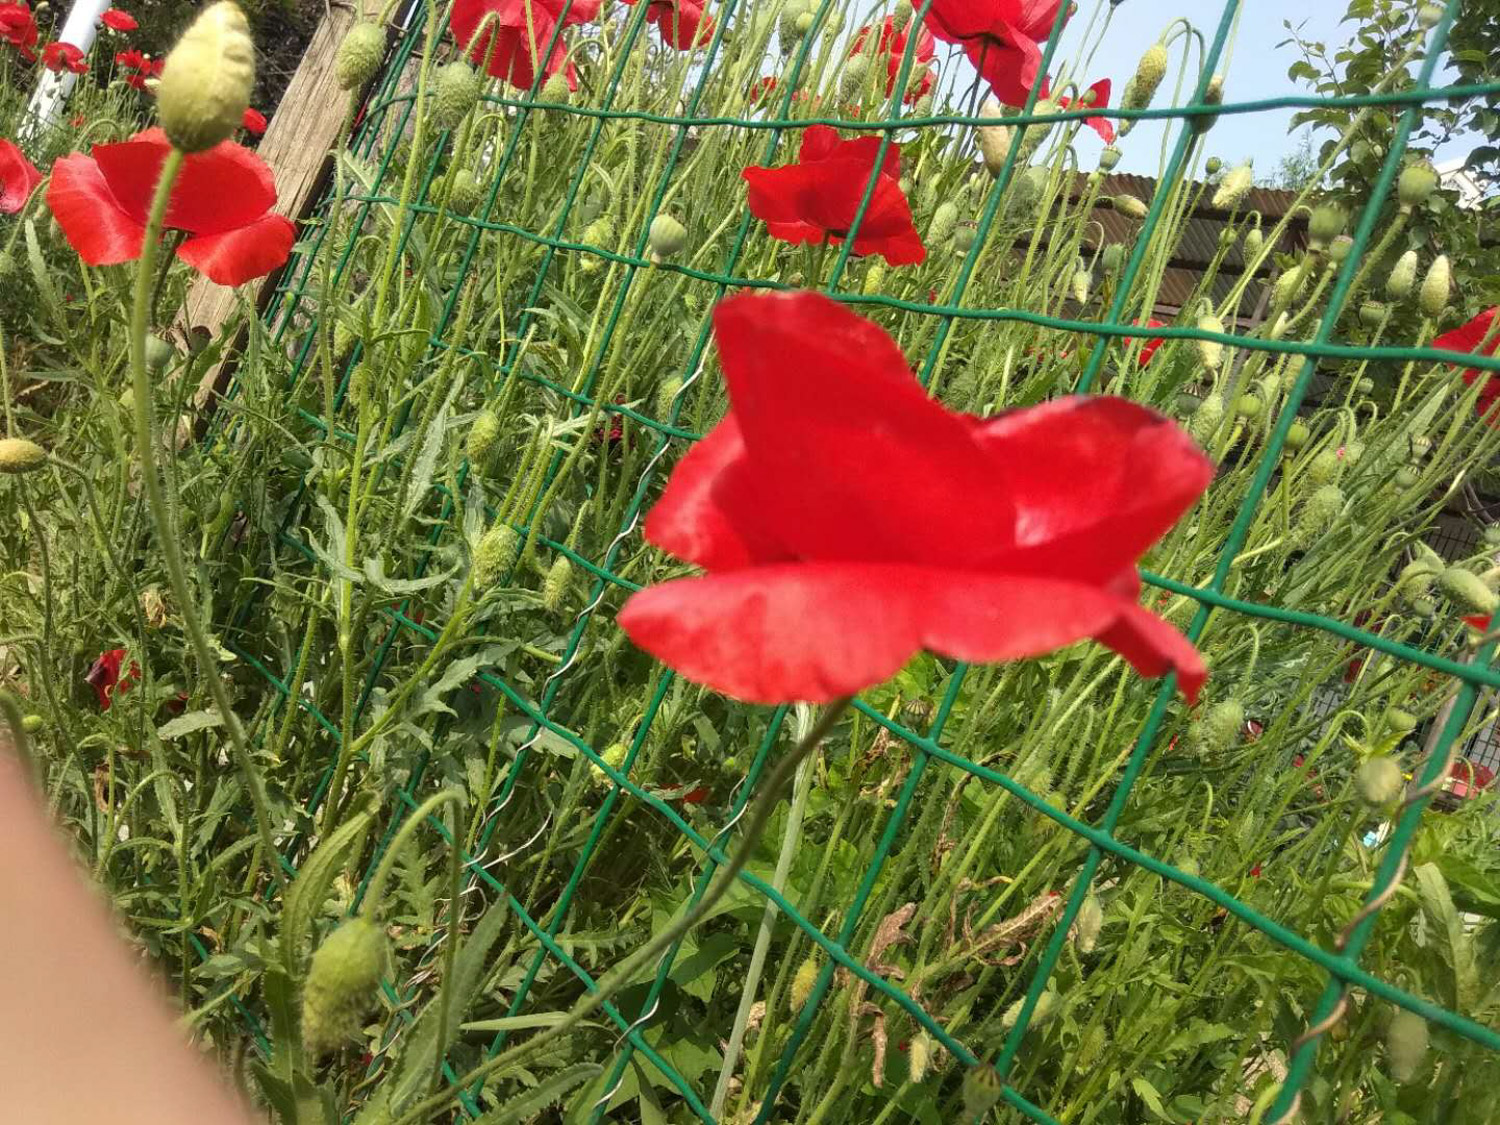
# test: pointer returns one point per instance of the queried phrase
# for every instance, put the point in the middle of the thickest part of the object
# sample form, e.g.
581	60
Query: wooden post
296	146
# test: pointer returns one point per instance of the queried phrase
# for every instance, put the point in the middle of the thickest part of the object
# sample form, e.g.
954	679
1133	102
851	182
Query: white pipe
47	100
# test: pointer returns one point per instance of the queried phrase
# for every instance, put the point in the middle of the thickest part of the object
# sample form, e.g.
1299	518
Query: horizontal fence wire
1342	966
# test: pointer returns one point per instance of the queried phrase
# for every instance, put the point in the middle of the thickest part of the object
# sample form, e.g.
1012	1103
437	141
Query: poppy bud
1436	287
1219	728
1372	314
1297	436
1491	535
874	278
206	79
1406	1045
922	107
1279	326
464	192
1212	95
359	56
1079	284
555	89
994	140
802	984
1418	181
665	238
495	553
1289	284
1113	257
1324	467
1234	187
1402	722
1254	240
1378	782
159	353
982	1088
1339	249
17	455
666	396
1129	206
1090	921
555	586
918	1057
1403	277
903	13
1148	75
1319	512
1109	158
803	23
1041	1014
1467	589
614	757
341	984
482	436
963	237
944	220
1428	16
1207	419
1326	223
455	87
1415	579
32	723
852	78
1210	352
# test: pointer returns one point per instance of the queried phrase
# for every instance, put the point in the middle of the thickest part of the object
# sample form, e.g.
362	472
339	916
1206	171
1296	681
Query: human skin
85	1034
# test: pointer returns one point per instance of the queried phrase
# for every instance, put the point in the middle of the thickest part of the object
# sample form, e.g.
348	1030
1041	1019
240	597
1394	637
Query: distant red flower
222	201
117	19
1148	349
1471	775
139	66
815	199
18	29
892	44
58	57
848	521
18	178
1095	97
696	796
1482	337
253	121
683	24
516	33
1255	872
1002	38
104	677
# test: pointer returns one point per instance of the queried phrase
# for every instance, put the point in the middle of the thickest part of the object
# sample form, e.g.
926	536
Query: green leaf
425	466
459	672
375	571
545	1094
1454	945
523	1023
1148	1094
308	892
39	272
188	723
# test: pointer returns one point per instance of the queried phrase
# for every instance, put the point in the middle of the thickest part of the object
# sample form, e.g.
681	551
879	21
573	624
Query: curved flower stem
161	512
757	815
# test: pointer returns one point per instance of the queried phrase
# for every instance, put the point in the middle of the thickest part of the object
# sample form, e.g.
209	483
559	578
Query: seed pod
17	455
1148	75
944	220
963	237
1378	782
1467	589
1090	921
1109	158
1406	1045
1210	352
918	1057
555	586
482	436
614	756
1297	436
982	1088
802	984
207	78
1234	187
1219	728
665	238
1326	223
1407	477
159	353
1402	722
1129	206
994	140
464	192
1403	277
1417	183
341	984
359	56
1079	284
1207	419
1372	314
455	89
495	554
1437	286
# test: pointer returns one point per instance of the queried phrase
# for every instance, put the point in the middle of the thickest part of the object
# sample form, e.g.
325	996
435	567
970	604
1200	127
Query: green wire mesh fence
387	115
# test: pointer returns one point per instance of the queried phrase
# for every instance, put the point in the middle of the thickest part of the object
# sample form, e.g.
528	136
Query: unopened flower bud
554	89
903	13
1428	16
1213	94
342	982
1109	158
1220	727
555	585
464	192
1339	249
1207	419
614	757
982	1088
1254	240
1210	352
1148	75
1235	186
1320	512
1129	206
852	77
1403	277
918	1057
495	554
1402	722
455	88
1113	257
206	79
874	278
1418	181
1286	287
159	353
666	396
1437	286
17	455
944	220
1406	1045
803	23
1378	782
1041	1013
359	56
1213	166
994	140
1079	284
802	984
1372	314
1324	467
482	436
666	237
1467	589
1088	924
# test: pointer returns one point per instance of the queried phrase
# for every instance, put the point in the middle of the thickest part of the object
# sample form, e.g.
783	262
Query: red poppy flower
253	121
222	200
1471	776
18	178
64	56
18	28
683	24
117	19
514	34
1002	38
104	677
847	521
892	44
1148	349
815	199
140	67
696	796
1482	337
1096	96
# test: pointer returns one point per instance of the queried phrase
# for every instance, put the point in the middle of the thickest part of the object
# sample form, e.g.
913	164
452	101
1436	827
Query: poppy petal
131	168
18	178
227	187
1153	648
818	632
1097	480
850	457
236	256
95	225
